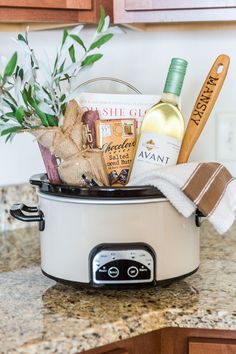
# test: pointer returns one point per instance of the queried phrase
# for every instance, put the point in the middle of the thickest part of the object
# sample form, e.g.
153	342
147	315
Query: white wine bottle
162	129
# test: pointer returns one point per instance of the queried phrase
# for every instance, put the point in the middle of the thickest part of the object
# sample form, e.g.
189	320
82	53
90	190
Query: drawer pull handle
116	351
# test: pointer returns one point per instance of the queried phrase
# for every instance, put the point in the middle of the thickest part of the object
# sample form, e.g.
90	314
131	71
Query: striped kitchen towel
206	186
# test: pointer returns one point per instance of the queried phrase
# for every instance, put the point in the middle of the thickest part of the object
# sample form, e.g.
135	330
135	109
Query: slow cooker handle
198	218
17	212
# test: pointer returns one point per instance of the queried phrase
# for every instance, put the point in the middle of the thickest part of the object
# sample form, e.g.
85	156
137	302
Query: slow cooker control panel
122	264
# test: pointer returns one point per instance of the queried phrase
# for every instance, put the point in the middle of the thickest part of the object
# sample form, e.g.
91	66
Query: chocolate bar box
117	138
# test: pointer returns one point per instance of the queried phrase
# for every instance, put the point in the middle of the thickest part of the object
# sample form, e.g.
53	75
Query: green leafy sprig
26	103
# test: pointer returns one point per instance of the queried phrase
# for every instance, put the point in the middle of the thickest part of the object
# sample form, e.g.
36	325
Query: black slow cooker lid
65	190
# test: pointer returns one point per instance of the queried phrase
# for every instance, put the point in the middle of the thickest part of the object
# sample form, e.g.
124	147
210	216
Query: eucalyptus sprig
27	103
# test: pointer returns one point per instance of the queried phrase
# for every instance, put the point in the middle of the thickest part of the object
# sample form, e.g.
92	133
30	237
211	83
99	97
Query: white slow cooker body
74	226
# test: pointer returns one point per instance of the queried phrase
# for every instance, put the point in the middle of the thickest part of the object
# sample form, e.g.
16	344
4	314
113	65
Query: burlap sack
90	163
58	143
69	143
73	114
78	136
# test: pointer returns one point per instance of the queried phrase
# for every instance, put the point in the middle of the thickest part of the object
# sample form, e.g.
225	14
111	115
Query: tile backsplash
21	193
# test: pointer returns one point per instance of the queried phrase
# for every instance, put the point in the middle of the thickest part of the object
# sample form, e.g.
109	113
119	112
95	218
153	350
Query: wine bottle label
155	150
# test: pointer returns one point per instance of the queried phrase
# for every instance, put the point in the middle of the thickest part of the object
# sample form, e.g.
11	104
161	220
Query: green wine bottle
162	129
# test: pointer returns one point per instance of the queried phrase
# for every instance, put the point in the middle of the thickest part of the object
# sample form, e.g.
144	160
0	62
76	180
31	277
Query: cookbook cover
116	106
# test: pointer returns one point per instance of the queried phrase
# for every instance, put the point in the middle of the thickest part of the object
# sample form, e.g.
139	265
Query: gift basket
99	225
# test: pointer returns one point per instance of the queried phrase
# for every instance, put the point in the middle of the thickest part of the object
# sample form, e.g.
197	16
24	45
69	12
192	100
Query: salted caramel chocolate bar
117	138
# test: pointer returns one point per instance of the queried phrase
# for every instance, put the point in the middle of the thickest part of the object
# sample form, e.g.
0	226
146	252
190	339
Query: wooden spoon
203	106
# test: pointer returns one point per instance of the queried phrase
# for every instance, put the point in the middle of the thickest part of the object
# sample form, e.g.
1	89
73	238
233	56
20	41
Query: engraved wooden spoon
204	105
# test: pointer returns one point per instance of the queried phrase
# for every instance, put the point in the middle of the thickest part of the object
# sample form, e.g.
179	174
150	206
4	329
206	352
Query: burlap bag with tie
69	143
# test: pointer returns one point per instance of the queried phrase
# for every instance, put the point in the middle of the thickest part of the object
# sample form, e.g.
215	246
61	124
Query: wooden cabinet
197	341
173	11
174	341
49	4
149	343
210	346
52	12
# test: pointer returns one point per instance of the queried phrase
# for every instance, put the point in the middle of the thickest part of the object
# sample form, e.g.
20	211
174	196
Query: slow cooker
111	236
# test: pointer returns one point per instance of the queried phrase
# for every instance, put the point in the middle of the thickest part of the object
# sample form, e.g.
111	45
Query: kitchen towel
208	187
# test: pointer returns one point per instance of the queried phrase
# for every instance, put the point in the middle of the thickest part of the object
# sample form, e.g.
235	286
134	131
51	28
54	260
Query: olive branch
25	102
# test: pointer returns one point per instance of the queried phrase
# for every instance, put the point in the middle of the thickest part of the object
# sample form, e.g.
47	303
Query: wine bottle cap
175	76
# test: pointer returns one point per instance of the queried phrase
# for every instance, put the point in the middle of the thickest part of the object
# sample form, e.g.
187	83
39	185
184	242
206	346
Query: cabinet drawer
211	346
49	4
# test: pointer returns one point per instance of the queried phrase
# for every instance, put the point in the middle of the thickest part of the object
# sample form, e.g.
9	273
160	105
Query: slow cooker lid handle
16	211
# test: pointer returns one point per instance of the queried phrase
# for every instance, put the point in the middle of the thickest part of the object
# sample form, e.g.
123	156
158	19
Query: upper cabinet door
53	11
173	11
51	4
136	5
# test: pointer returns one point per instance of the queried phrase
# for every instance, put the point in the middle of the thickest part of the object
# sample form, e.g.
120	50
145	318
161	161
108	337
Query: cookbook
118	106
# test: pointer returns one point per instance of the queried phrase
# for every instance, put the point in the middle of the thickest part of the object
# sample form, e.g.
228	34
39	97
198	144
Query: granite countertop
40	316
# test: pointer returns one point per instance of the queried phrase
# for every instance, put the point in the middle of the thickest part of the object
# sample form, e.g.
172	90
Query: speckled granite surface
21	193
40	316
